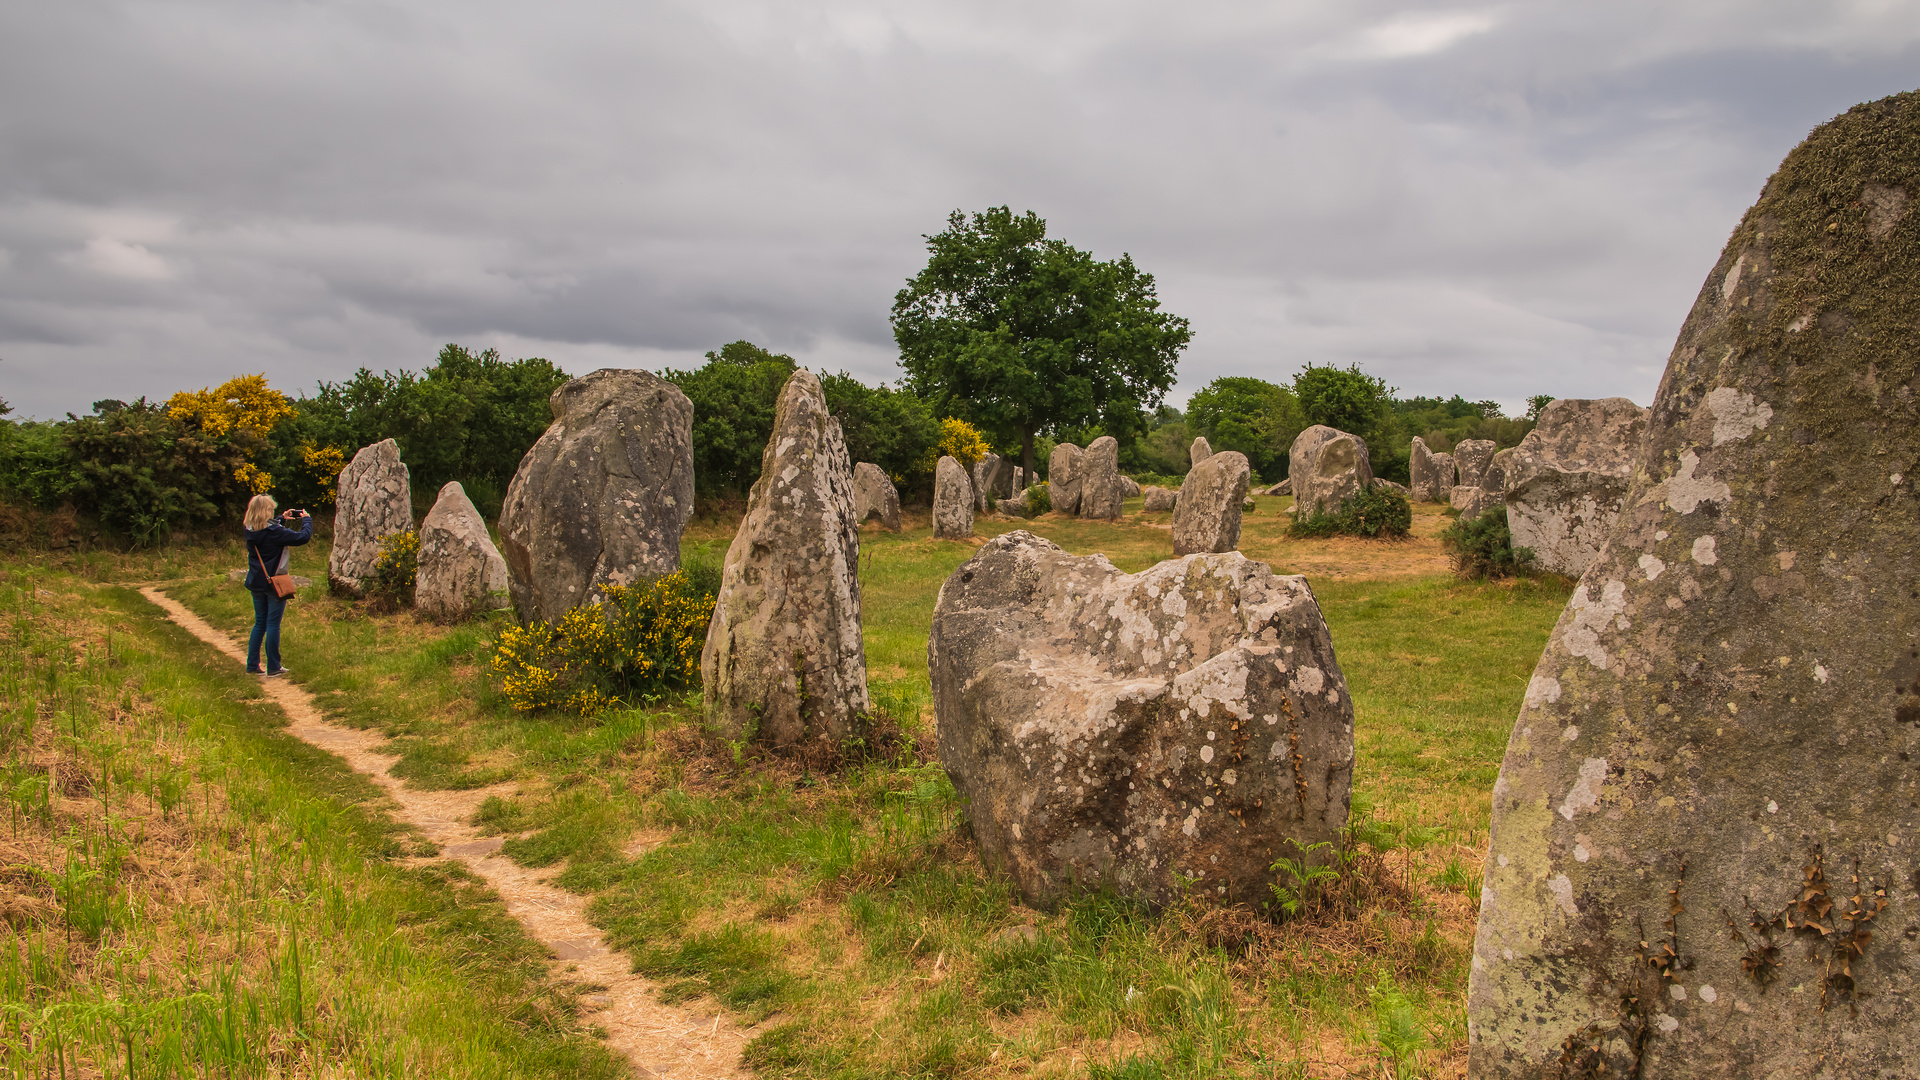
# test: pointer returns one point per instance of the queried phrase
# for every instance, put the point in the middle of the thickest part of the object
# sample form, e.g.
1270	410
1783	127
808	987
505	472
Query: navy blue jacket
269	545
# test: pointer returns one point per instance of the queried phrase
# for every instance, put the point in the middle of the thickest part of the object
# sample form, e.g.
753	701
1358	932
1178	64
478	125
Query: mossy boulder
1705	841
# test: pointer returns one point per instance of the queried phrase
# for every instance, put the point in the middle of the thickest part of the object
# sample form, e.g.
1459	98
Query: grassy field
845	915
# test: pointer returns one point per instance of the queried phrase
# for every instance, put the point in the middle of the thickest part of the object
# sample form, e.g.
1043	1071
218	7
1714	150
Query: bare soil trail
661	1040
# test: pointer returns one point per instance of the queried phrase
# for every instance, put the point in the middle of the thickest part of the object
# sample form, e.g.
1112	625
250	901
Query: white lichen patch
1685	491
1542	690
1562	890
1588	618
1651	566
1704	551
1585	794
1309	680
1736	414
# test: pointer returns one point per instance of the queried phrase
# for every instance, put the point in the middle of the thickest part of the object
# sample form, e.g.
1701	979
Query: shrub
1039	499
394	570
1377	513
640	641
1482	547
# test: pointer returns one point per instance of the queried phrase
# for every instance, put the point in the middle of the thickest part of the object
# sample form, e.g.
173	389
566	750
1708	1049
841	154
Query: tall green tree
733	397
1021	334
1360	404
1253	416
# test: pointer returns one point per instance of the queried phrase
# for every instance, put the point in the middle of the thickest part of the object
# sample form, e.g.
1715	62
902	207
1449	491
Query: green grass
846	916
203	894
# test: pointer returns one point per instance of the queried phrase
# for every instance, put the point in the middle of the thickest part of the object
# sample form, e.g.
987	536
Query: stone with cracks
1431	482
1472	502
952	501
1566	480
784	659
1129	488
602	496
1158	499
1284	487
874	496
1471	458
1462	495
1137	732
459	571
1200	451
1063	478
373	500
1717	755
1498	469
1327	467
1207	518
1100	490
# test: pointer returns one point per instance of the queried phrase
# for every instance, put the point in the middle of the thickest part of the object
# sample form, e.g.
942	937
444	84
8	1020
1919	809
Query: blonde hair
260	510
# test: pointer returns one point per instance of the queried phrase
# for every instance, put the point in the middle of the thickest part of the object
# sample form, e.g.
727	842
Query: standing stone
1207	518
1471	457
1284	487
1446	476
1200	451
1499	468
784	658
1100	490
459	571
875	496
952	501
1703	843
1568	478
1423	468
1138	731
1463	496
1064	473
1129	488
1158	499
1327	467
374	500
601	498
980	476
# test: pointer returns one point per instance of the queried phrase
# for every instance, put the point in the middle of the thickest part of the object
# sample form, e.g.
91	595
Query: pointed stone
1471	457
373	500
1703	840
952	501
874	496
784	659
1200	451
1207	516
1100	491
460	572
602	496
1424	468
1063	478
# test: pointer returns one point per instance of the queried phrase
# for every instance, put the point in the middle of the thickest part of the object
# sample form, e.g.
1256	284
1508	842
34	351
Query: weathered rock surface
1284	487
1200	451
1207	518
602	496
1471	457
1063	478
458	571
1724	728
1158	499
993	479
1100	489
784	659
874	496
1499	467
1129	488
1567	479
1327	467
1391	485
1462	495
952	501
374	500
1431	481
1124	731
1472	502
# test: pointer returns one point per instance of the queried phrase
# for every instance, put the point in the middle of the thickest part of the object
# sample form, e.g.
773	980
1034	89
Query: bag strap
261	559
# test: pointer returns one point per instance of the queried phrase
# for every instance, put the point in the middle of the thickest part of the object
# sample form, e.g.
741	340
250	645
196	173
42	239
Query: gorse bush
640	641
1039	499
394	570
1377	513
1482	547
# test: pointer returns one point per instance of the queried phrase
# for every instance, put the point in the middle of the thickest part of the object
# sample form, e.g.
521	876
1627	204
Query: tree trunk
1026	456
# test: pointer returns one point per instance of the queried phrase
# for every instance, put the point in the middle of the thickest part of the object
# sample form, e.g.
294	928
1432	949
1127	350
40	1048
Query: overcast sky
1495	201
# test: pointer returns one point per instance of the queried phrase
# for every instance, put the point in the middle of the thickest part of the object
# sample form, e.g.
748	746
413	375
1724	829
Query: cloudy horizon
1496	200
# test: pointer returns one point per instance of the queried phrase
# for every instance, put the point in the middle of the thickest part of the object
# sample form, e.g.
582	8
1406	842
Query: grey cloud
1494	200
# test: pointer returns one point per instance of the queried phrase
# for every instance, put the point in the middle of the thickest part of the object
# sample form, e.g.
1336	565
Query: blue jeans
267	609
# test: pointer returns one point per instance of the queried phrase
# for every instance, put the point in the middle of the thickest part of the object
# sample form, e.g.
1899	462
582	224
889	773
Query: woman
267	554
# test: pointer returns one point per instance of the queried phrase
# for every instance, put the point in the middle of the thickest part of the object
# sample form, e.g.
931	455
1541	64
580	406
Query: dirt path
660	1040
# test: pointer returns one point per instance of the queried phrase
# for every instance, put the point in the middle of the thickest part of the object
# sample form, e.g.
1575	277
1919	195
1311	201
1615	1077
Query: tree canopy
1250	415
1022	334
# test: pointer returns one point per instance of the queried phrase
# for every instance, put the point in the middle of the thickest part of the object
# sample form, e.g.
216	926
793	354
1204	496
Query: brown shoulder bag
282	583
